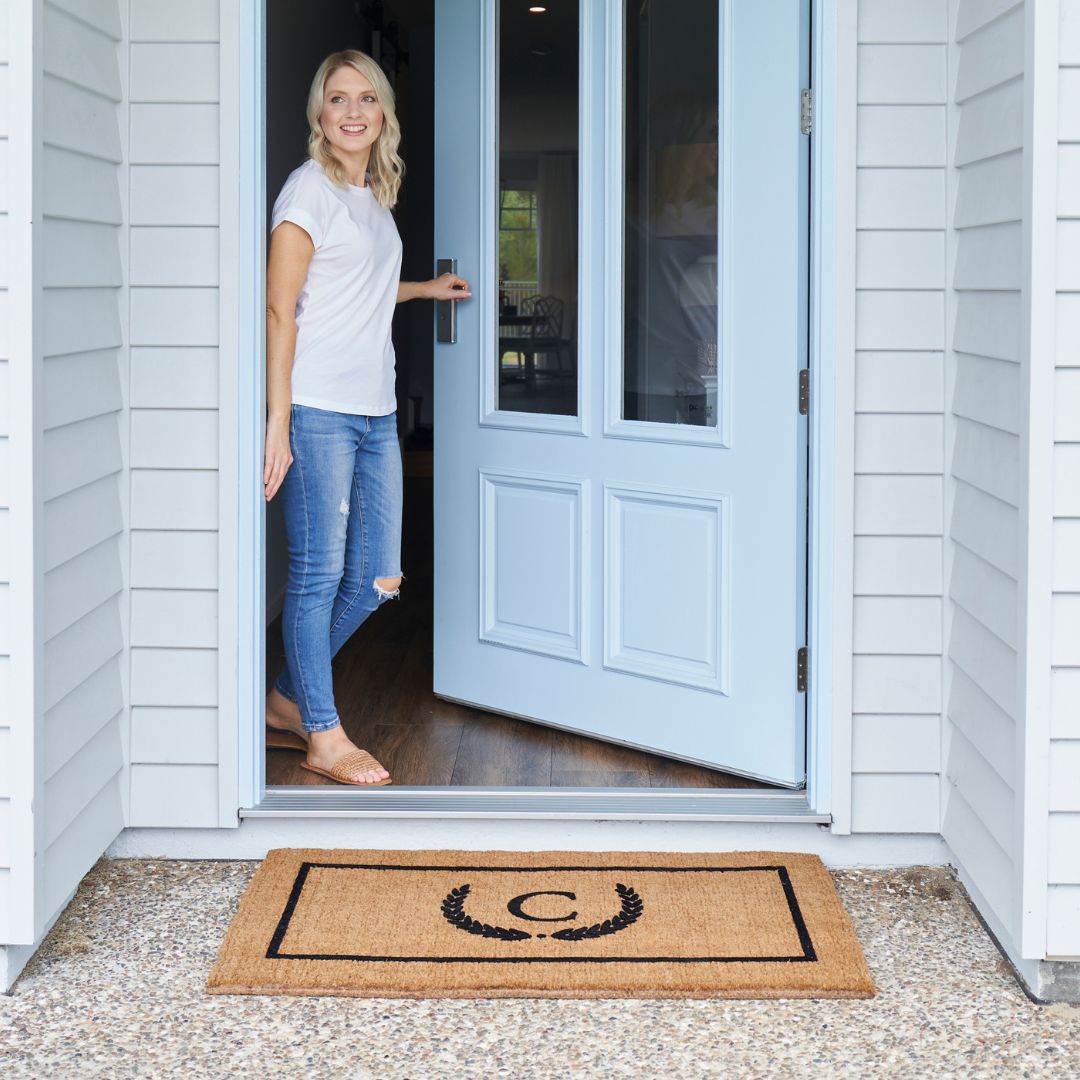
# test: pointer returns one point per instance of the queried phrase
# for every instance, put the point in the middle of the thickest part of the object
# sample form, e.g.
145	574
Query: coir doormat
541	924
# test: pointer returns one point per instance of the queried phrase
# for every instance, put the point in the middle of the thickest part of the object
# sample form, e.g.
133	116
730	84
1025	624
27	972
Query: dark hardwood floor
382	686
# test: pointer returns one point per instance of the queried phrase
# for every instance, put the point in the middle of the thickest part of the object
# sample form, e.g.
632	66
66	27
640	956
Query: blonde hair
384	165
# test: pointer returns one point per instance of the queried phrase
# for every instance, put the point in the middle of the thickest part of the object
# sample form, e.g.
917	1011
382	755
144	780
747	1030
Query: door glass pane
536	357
671	199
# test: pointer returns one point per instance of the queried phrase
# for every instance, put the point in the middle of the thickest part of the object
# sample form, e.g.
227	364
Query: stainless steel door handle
446	310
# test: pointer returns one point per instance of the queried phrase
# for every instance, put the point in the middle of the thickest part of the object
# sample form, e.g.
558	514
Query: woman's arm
286	270
444	287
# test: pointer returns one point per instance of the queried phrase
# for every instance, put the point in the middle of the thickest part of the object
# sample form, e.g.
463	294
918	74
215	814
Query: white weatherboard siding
985	494
899	402
1063	900
174	331
82	458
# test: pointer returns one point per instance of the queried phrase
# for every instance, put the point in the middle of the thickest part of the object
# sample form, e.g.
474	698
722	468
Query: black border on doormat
809	955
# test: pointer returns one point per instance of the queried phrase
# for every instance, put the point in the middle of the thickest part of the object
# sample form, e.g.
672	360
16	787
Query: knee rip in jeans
343	509
386	588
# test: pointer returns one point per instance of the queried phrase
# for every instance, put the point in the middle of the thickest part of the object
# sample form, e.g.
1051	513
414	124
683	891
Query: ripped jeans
342	500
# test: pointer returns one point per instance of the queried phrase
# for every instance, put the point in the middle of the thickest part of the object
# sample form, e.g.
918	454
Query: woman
331	429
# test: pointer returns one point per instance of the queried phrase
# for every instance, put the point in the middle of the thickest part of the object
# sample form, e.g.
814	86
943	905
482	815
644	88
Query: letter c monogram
514	907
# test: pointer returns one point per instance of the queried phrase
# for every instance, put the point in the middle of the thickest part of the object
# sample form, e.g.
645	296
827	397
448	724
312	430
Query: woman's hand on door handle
448	287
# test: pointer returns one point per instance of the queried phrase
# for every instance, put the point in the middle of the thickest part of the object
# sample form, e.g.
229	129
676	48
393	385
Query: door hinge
804	391
807	100
800	671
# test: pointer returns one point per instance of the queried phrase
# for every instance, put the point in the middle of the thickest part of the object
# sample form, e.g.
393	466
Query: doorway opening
383	675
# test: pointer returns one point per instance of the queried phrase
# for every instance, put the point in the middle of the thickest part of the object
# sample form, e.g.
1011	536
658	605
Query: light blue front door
620	456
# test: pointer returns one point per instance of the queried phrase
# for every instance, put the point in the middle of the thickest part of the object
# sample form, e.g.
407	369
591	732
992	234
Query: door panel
630	565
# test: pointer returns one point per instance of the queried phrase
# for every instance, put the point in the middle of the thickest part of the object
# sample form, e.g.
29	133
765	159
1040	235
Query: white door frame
242	509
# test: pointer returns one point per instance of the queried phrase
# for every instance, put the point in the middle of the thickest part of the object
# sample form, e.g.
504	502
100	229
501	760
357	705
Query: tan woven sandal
280	739
352	762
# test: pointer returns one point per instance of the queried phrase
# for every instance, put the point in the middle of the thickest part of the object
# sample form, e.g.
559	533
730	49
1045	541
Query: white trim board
257	836
832	459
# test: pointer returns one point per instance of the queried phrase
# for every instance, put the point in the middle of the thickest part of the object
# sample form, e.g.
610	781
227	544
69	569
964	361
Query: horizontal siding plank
1067	326
1068	256
900	199
972	15
1065	703
174	677
900	135
990	124
898	566
174	736
990	191
899	259
907	803
899	382
174	316
986	594
72	656
901	75
987	391
174	438
1064	771
72	789
182	72
987	660
984	723
900	320
153	135
80	320
988	324
181	378
174	195
914	20
988	459
991	56
982	789
1068	186
80	254
977	851
78	519
174	618
96	197
6	629
174	256
1064	849
77	454
898	505
81	386
1069	105
988	257
174	560
164	20
897	624
896	744
1066	488
896	684
175	796
1067	405
1065	640
1066	561
75	119
1063	921
174	499
104	15
986	526
71	50
79	715
1069	33
899	444
76	587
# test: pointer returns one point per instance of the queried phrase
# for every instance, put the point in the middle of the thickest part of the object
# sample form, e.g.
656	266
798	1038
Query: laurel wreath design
453	909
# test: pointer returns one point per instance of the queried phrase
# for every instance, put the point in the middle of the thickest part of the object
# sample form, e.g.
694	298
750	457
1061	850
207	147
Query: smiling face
351	116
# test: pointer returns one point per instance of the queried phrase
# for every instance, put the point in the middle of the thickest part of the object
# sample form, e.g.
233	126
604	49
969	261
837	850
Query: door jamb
242	508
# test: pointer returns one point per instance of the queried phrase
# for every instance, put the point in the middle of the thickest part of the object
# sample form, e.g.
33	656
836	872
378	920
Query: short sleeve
302	203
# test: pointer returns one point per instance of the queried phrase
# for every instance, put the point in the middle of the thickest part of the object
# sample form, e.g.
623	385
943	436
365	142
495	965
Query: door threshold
668	804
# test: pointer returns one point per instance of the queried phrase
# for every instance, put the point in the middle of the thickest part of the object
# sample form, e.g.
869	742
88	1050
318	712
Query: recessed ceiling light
536	9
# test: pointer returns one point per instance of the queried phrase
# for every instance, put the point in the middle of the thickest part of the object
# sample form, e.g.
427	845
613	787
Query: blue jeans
342	502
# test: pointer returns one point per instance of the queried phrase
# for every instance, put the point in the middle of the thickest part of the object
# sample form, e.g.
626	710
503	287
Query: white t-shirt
344	357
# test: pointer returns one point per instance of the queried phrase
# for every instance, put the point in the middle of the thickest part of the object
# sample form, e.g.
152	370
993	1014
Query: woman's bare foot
283	713
327	747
